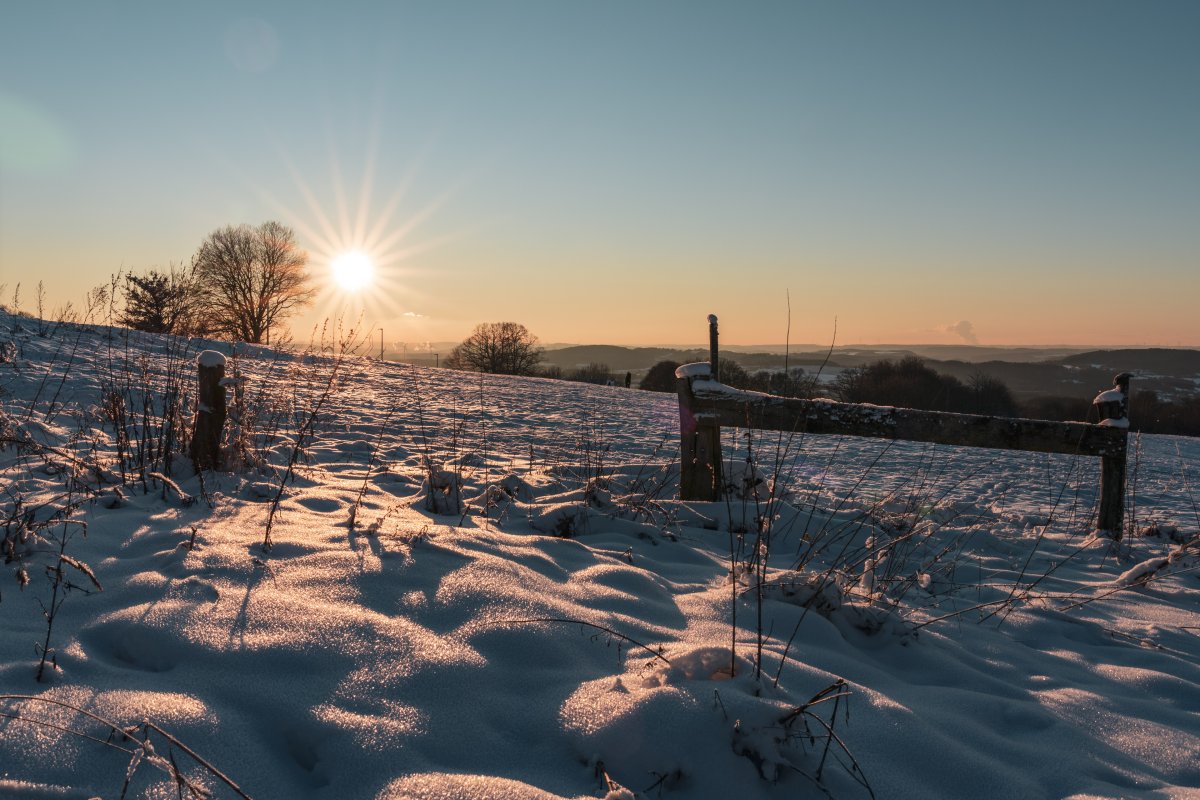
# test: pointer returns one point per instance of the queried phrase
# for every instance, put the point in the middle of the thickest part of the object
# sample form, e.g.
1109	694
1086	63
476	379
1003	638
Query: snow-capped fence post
205	449
699	437
1113	406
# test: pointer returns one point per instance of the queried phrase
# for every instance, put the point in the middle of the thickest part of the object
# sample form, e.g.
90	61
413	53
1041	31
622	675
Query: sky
1006	173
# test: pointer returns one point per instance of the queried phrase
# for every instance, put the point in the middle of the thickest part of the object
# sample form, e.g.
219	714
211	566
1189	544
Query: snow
210	358
705	385
492	591
699	369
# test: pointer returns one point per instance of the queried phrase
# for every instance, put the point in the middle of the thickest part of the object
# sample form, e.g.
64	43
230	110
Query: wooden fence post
712	347
1114	411
699	433
210	411
699	440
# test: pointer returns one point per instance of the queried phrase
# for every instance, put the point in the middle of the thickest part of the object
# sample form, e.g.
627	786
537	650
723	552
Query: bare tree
159	302
502	348
251	278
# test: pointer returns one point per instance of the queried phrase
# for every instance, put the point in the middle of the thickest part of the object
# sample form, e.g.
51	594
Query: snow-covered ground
563	627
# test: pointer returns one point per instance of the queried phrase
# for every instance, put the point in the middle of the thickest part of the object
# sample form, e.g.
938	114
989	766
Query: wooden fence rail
706	405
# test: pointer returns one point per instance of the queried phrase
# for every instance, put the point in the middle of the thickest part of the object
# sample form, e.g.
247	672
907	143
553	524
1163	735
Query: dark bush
161	302
734	374
590	373
1077	409
991	396
660	378
794	383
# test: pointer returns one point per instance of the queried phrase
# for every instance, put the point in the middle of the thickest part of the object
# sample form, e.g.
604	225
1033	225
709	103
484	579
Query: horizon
807	347
873	345
778	347
1007	175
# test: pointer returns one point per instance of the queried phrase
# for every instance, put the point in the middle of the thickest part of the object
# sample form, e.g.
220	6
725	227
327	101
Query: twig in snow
140	750
562	620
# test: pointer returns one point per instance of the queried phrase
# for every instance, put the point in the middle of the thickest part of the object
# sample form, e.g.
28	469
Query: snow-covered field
924	621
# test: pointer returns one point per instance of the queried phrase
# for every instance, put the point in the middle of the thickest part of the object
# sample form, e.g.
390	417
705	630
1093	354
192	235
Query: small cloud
964	330
414	315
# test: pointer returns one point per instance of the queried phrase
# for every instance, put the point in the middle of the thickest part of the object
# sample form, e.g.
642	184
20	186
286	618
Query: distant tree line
911	383
588	373
242	281
794	383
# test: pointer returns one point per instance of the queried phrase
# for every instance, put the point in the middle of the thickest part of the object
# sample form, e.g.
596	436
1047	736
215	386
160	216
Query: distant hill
963	352
571	354
1164	360
1169	372
1027	371
959	352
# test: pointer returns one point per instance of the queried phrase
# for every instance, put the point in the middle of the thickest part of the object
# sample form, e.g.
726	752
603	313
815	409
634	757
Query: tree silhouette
159	302
660	377
502	348
251	278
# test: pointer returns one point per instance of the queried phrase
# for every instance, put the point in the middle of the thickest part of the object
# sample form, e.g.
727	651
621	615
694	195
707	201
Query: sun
353	270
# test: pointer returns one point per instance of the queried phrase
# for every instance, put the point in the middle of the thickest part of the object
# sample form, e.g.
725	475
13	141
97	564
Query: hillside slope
485	587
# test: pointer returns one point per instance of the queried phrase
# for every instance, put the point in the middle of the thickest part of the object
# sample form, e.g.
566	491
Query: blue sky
612	172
